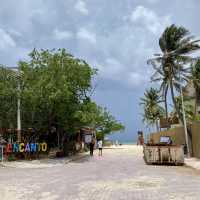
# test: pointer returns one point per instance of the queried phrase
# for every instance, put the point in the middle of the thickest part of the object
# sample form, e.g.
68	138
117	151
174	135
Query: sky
114	36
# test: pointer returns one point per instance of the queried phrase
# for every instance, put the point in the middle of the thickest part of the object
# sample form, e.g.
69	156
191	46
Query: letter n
33	147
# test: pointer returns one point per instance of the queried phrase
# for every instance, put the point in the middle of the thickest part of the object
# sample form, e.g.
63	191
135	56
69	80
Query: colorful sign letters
26	147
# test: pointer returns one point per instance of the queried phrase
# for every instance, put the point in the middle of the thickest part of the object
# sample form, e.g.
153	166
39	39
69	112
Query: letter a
27	149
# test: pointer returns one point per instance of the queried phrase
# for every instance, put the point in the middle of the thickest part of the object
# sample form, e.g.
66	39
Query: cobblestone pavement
119	175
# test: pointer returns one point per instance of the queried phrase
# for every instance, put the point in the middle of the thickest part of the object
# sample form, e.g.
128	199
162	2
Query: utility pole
17	74
184	118
185	124
19	111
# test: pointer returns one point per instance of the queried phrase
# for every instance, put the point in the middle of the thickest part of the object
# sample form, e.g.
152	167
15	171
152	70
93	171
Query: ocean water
122	139
126	142
129	143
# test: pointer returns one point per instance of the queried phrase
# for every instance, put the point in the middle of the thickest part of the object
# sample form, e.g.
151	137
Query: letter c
21	147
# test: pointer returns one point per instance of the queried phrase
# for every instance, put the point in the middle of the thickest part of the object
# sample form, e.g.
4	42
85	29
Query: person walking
92	143
100	146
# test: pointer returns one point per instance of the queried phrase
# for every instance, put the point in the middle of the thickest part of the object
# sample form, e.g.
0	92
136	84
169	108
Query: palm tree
195	77
170	65
189	108
152	110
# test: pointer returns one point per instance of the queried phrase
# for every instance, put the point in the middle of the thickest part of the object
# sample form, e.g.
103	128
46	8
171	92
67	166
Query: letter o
44	146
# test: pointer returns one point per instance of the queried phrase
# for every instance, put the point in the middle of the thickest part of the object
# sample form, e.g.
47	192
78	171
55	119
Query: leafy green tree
98	118
8	97
55	90
188	107
54	85
171	65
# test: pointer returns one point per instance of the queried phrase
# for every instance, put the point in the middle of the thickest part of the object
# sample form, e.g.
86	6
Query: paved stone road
119	175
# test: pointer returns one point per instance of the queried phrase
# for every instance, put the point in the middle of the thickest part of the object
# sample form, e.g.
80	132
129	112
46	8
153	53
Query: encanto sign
26	147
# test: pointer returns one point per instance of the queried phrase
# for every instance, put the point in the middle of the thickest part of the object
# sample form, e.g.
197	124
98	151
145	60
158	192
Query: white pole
185	124
18	112
184	118
18	104
18	119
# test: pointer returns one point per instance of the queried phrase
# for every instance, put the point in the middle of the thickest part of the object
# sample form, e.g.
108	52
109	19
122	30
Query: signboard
164	123
165	139
88	138
26	147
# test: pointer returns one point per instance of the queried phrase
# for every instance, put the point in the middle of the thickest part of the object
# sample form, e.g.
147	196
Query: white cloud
62	35
86	35
37	12
6	40
111	69
149	19
152	1
137	79
80	6
14	33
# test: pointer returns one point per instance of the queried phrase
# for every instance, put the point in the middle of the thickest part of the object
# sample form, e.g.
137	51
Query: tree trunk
166	107
157	126
175	104
197	100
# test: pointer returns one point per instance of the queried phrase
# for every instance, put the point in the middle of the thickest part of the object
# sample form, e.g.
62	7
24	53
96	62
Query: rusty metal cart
163	153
